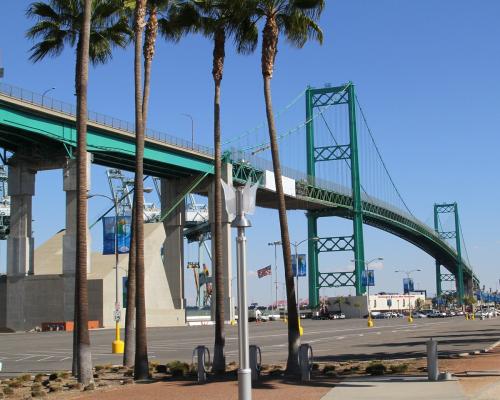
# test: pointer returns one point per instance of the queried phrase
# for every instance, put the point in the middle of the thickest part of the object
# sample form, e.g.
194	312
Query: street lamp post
275	244
370	319
118	345
192	128
47	91
408	275
296	245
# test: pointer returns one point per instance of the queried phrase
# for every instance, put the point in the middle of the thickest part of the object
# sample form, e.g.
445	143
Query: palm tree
340	300
141	366
218	20
295	19
94	27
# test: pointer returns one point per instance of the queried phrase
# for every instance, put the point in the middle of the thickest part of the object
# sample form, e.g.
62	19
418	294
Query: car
435	314
419	315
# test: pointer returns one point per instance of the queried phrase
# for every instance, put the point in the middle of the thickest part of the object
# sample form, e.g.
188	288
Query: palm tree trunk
84	362
128	355
141	367
269	49
219	364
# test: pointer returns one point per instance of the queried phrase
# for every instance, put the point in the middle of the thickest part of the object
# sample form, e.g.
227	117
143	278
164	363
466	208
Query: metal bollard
202	354
432	360
305	361
255	362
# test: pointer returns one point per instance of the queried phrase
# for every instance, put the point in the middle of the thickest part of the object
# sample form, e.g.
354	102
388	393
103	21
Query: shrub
15	384
8	390
328	368
53	376
376	368
25	378
178	368
398	368
38	377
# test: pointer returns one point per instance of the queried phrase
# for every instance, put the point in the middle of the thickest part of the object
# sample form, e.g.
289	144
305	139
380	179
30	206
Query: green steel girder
447	235
447	278
336	279
244	172
26	123
448	208
336	243
329	96
332	153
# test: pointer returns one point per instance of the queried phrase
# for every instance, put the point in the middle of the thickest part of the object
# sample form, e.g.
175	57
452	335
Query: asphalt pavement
334	340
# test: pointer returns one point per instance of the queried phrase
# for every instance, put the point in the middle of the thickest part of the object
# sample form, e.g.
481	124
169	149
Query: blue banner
302	265
124	291
408	285
108	234
368	277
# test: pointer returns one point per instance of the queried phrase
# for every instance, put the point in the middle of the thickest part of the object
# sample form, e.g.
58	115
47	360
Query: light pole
408	275
47	91
118	345
192	128
370	319
275	244
296	245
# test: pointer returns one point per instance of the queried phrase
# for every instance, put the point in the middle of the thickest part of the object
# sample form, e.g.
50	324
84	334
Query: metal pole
244	371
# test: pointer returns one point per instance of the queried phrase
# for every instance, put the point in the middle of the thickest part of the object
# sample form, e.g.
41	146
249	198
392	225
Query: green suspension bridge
332	164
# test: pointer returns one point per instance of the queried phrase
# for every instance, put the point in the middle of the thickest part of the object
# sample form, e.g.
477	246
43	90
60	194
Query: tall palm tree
141	366
218	20
94	27
296	20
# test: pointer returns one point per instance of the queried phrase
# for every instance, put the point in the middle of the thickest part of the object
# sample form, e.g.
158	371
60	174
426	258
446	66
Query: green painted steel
359	248
460	267
312	230
438	264
458	275
101	140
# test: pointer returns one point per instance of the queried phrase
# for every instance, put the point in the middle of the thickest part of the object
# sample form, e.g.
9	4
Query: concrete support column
227	263
69	238
173	248
468	286
20	244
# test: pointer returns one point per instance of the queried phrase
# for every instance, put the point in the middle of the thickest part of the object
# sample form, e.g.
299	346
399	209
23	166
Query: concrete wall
30	301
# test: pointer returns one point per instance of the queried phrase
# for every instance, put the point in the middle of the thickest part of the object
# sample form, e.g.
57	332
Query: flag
261	273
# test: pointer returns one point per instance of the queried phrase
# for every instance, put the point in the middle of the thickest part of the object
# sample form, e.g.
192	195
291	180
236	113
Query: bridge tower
316	99
458	277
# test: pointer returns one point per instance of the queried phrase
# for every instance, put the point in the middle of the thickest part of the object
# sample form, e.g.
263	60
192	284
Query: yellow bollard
410	319
472	316
370	322
118	346
232	322
467	316
301	330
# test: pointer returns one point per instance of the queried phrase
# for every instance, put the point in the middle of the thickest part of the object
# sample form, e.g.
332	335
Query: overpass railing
68	109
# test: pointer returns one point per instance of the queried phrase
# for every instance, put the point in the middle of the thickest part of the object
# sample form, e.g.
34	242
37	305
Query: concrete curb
476	352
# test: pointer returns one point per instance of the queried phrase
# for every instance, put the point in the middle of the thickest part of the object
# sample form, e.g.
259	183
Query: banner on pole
302	270
368	277
261	273
408	285
108	234
124	291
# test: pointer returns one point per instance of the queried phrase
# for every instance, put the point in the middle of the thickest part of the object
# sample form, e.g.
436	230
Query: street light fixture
192	128
296	245
408	275
370	319
47	91
118	345
275	244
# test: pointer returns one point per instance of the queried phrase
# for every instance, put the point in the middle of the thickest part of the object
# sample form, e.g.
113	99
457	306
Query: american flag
261	273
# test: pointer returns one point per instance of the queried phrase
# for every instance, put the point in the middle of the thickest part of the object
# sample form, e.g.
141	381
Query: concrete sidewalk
394	387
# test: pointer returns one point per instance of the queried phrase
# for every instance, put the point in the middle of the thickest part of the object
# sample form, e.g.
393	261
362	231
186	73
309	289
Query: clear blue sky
427	74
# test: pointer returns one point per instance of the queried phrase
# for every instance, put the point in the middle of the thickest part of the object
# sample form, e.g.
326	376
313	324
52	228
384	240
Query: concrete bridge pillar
20	244
173	247
69	238
227	264
468	286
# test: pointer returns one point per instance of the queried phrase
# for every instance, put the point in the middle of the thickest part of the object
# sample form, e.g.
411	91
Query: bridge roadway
47	127
335	340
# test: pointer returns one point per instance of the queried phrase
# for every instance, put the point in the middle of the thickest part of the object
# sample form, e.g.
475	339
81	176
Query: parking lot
348	339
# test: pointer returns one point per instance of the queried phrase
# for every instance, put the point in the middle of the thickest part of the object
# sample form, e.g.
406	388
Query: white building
356	306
